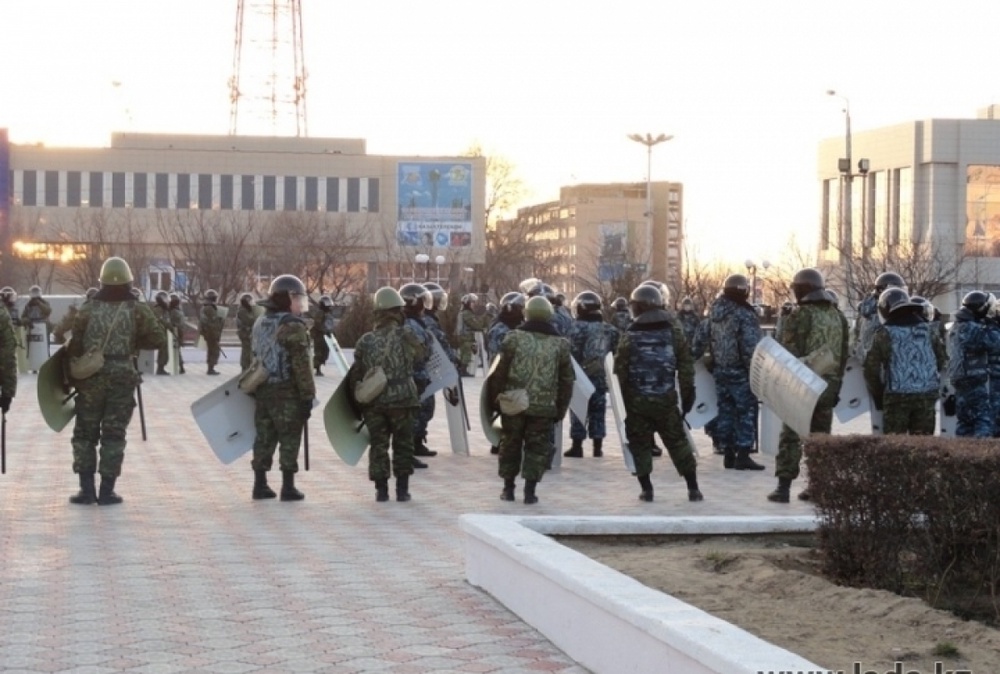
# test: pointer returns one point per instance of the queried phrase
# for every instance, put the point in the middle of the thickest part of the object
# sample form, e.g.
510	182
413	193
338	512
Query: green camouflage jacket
134	329
244	323
210	323
812	326
535	358
8	357
395	349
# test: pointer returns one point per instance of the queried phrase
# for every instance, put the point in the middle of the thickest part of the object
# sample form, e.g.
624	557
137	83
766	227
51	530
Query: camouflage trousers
104	406
911	414
736	423
246	353
786	464
465	355
597	408
423	417
278	421
321	350
162	357
387	426
646	415
213	350
177	351
973	409
525	444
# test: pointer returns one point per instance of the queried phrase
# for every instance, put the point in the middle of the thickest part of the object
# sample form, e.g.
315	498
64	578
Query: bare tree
504	189
618	270
699	279
516	250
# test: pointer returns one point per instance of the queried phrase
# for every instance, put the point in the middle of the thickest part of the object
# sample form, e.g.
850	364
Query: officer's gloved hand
877	402
5	403
305	408
687	400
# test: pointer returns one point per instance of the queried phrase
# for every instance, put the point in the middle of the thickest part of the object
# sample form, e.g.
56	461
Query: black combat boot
744	462
576	451
212	370
381	490
598	447
494	449
729	458
529	492
417	463
260	488
805	495
647	488
288	490
780	495
108	495
402	488
88	492
161	370
180	369
421	449
508	490
694	494
319	372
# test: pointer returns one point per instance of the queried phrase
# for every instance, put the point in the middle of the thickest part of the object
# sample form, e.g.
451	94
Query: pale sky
555	86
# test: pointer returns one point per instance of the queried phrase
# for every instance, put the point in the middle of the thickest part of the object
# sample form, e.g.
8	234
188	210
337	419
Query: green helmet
388	298
538	309
115	272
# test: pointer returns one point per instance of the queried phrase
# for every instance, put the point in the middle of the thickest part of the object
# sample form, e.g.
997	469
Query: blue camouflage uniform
421	377
865	326
562	320
969	343
689	322
732	335
621	320
433	326
591	339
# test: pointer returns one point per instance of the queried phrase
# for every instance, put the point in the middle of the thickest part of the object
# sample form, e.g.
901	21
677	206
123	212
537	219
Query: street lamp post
421	258
649	141
440	261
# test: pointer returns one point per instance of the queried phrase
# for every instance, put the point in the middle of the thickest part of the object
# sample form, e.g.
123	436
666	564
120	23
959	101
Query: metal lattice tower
267	90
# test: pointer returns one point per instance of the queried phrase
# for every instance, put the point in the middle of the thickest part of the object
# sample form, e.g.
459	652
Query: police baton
461	399
3	445
305	442
138	395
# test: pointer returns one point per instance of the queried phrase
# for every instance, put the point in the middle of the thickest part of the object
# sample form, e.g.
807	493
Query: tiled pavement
191	575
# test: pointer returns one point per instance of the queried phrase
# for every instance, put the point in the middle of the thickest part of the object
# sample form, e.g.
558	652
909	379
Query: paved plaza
191	575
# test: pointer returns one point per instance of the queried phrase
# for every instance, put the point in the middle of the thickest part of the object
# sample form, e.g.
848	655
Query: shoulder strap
111	327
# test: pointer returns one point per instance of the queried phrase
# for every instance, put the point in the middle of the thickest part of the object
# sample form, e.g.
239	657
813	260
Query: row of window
203	191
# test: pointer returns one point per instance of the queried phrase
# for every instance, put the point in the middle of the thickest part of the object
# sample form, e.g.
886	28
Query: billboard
4	191
435	204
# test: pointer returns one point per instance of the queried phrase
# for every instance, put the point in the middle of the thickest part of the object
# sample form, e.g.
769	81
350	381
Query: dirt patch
769	586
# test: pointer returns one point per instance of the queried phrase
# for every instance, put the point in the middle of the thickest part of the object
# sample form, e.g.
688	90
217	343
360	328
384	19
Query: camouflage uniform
532	357
64	325
562	320
390	416
591	339
8	357
970	341
244	331
210	328
621	320
689	322
177	325
650	353
426	412
902	371
281	341
106	400
732	333
811	326
37	310
865	325
498	331
471	323
415	325
162	312
322	326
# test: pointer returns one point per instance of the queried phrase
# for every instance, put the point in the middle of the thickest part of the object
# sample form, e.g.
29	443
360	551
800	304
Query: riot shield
785	384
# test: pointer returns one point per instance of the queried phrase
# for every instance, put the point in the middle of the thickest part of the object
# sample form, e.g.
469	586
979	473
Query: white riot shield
854	397
783	382
38	345
339	359
146	361
454	406
223	312
770	431
618	410
557	451
441	371
583	389
706	404
173	366
21	351
225	417
348	436
947	424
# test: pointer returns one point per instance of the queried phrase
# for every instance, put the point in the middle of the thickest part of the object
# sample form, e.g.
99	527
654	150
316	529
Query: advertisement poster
435	204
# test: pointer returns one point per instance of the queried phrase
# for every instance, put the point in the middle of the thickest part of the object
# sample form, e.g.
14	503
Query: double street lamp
649	141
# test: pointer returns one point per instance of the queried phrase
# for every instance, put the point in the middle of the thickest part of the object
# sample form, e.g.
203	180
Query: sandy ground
767	586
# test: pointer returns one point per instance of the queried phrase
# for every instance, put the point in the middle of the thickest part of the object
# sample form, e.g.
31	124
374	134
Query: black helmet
531	287
211	296
645	298
8	294
661	287
469	300
91	292
35	291
736	286
161	297
175	299
137	293
687	304
283	289
559	299
415	296
807	284
890	300
512	303
979	303
439	296
492	310
586	302
246	299
888	279
925	305
326	302
620	304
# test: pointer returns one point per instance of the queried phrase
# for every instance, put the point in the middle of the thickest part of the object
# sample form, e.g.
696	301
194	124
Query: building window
29	188
291	193
139	193
312	194
270	186
162	190
247	197
183	191
73	188
333	194
353	195
904	224
118	190
226	192
373	196
52	188
205	191
96	196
